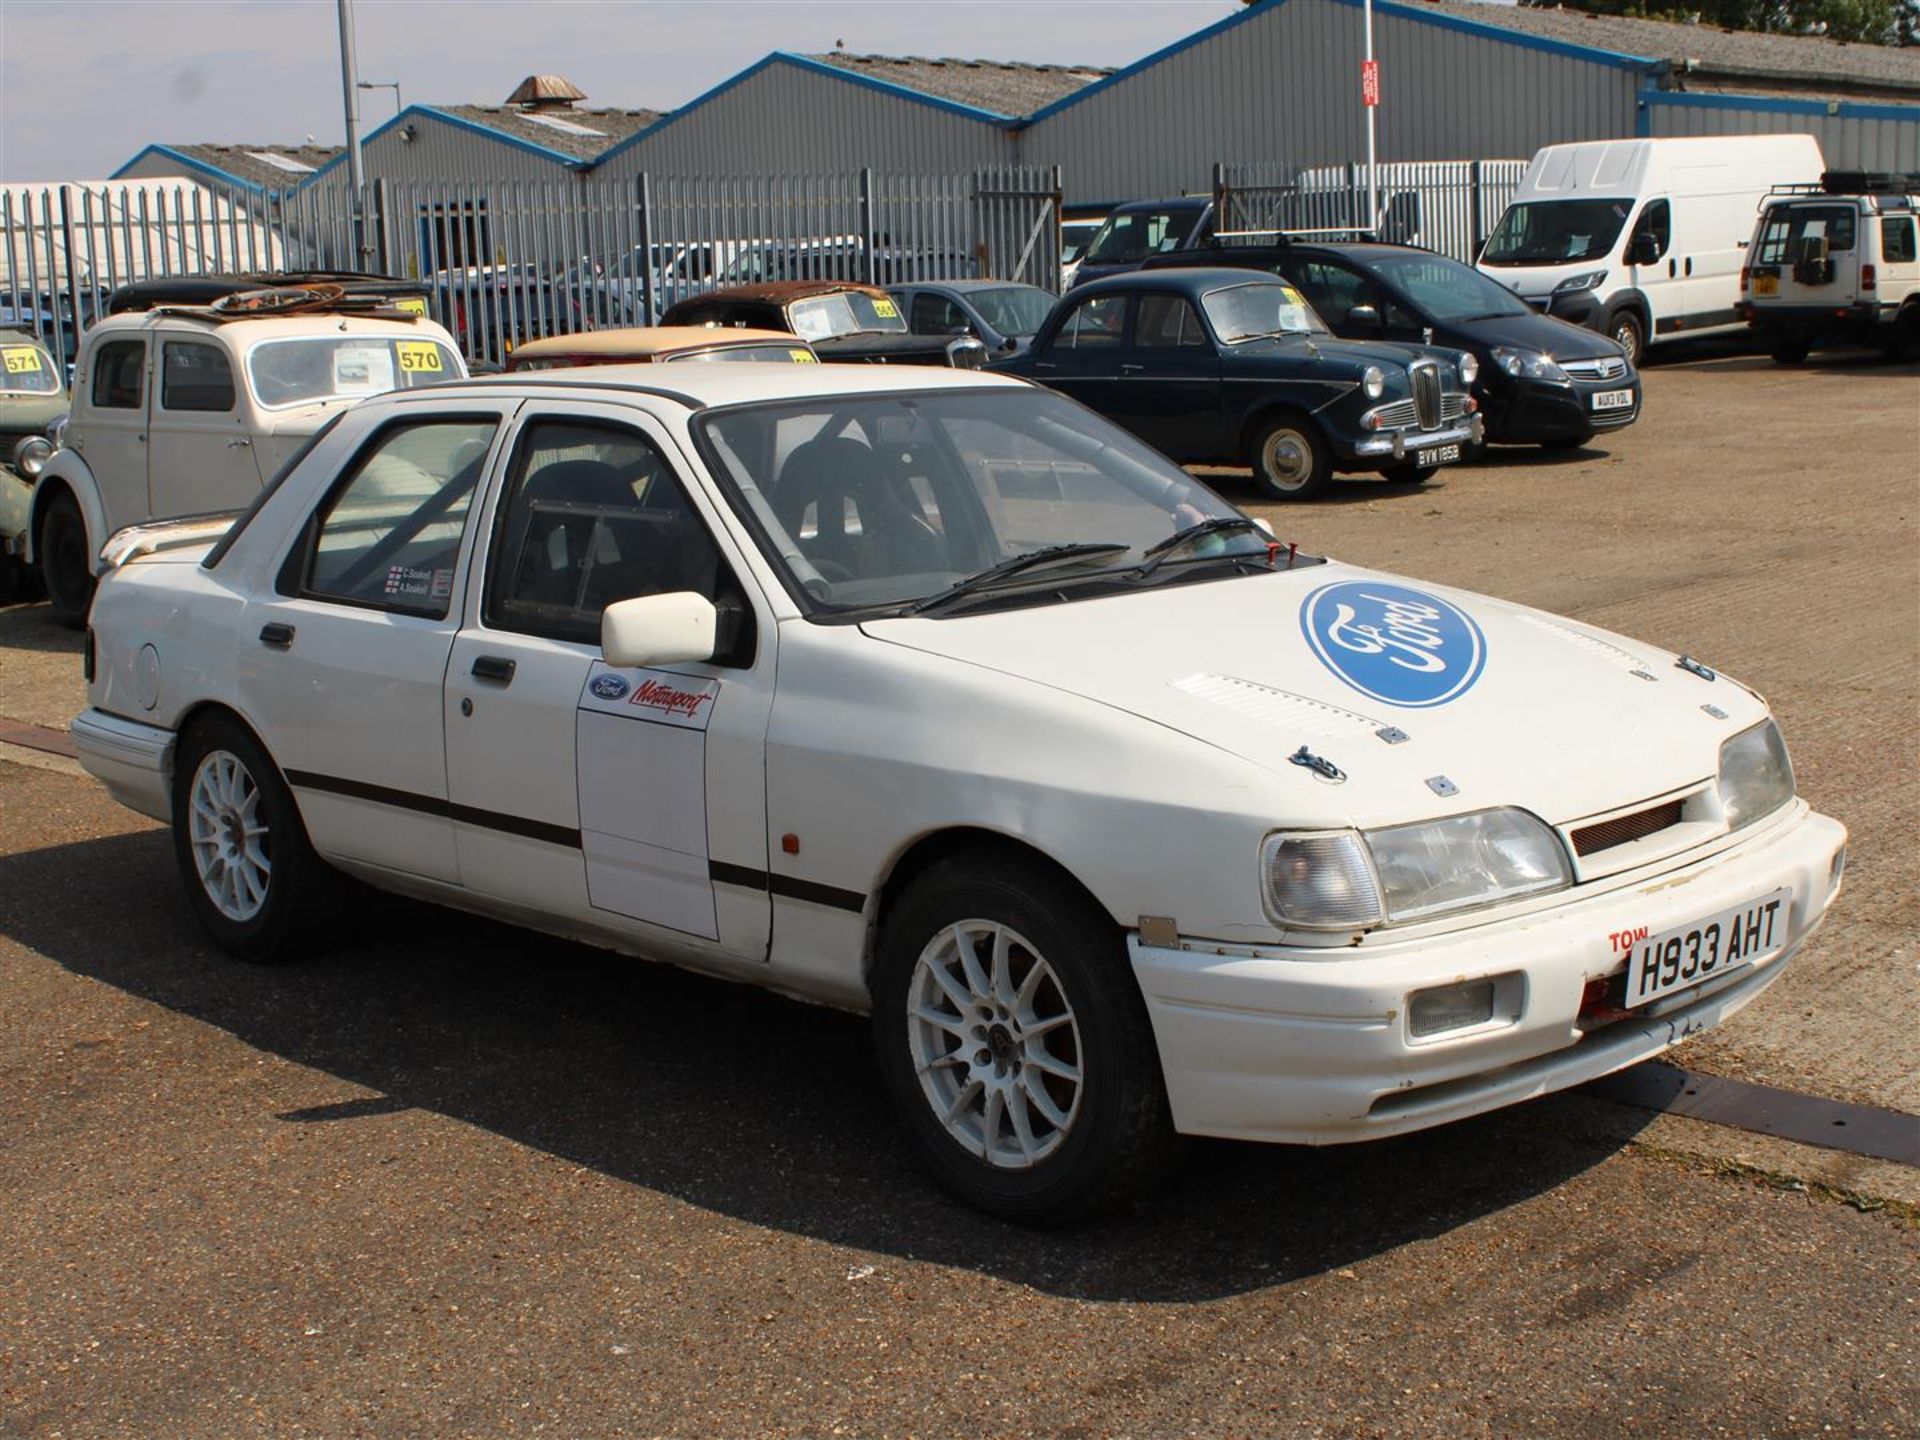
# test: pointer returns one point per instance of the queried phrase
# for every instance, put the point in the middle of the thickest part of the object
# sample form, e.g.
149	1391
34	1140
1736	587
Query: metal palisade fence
1446	205
505	262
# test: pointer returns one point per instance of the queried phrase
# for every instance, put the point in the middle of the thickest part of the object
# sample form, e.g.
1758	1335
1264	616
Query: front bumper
1534	412
1398	445
1865	322
134	761
1292	1046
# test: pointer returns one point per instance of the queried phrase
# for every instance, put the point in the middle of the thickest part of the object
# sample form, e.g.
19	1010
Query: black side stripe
719	871
433	805
748	878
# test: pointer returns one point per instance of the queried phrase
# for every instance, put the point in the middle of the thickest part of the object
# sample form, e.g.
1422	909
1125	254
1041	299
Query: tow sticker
414	306
22	360
885	310
418	356
1392	643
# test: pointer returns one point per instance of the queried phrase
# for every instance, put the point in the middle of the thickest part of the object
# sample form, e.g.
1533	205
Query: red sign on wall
1369	82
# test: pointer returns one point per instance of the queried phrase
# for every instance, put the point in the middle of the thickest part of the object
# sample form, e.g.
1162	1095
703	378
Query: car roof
1175	202
719	382
1190	281
781	292
651	340
317	323
968	287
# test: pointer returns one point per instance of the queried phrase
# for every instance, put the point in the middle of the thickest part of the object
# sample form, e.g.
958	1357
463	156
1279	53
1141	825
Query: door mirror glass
670	629
1363	317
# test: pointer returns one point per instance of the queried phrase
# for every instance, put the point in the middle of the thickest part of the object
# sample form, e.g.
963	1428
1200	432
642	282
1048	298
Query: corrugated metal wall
439	153
1856	137
786	118
1285	86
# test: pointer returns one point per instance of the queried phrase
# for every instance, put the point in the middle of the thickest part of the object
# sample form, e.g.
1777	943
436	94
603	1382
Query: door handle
1689	266
1131	369
277	635
1672	269
241	444
493	667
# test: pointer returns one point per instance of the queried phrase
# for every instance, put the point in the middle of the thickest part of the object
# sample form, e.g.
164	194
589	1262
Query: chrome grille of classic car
1426	393
1607	367
1403	414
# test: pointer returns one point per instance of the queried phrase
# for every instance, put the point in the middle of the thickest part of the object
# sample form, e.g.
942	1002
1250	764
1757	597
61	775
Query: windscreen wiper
1013	565
1157	555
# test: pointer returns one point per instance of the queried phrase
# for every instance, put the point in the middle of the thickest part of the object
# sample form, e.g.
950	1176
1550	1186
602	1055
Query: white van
1642	240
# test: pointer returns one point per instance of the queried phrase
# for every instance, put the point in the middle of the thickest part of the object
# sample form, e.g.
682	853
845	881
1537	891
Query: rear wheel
1629	334
252	877
1015	1044
1791	349
1290	460
64	567
1906	335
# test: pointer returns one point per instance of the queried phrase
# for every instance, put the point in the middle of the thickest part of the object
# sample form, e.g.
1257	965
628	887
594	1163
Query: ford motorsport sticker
1395	644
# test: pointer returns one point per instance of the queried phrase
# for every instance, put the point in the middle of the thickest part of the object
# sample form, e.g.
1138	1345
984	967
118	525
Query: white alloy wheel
995	1044
1286	458
228	835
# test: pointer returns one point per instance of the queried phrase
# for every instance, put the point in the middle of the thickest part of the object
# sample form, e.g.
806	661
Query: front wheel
1409	474
1629	334
1290	460
63	561
1791	350
1015	1044
251	875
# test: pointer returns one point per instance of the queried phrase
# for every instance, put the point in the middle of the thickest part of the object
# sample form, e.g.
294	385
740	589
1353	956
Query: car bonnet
1430	701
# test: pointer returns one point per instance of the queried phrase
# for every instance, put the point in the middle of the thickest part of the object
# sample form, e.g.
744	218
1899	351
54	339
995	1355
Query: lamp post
393	85
1370	101
350	90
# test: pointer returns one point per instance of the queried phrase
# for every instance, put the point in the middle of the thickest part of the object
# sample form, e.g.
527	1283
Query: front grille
1625	829
1405	414
1610	367
1426	393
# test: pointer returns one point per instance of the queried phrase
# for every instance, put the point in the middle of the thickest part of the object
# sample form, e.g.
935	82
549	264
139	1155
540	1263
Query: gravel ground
457	1180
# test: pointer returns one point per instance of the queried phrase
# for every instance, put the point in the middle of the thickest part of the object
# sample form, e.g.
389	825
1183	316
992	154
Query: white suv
188	409
1837	263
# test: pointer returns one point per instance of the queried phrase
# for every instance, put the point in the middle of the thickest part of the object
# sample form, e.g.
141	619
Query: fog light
1450	1007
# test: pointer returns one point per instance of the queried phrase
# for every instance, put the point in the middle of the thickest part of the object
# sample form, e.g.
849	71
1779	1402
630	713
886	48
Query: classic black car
1542	381
1224	367
846	323
1002	313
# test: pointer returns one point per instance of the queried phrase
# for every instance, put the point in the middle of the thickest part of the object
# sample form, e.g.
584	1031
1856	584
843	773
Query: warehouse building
233	170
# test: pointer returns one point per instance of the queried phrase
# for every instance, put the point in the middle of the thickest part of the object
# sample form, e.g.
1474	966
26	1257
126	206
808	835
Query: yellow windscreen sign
885	310
414	306
802	357
22	360
418	357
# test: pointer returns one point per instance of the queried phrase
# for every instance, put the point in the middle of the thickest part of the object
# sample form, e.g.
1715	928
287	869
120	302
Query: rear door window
1897	239
195	376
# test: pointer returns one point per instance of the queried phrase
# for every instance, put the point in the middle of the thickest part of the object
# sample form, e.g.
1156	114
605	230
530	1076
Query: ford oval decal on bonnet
1403	646
608	687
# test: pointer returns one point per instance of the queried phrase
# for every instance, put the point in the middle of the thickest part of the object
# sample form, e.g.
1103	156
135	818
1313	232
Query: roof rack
1870	182
343	291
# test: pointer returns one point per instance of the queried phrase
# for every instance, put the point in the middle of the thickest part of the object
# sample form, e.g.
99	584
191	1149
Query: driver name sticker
22	360
418	357
407	582
1394	643
886	310
802	357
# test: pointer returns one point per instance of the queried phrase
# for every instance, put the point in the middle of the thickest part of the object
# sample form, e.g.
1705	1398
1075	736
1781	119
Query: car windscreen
1259	309
822	316
26	369
302	369
869	502
1130	236
1787	228
1445	289
771	354
1014	310
1545	232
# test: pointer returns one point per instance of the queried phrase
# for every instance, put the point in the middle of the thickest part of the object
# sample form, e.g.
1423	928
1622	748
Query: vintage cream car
935	695
188	409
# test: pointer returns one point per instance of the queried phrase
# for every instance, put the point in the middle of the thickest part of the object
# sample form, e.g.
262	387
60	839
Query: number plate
1766	284
1438	455
1676	959
1613	399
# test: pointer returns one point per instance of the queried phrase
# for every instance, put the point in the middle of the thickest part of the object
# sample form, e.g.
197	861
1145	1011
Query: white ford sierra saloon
933	695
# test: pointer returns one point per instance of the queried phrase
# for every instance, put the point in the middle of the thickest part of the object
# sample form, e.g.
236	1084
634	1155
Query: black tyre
1565	442
1015	1044
65	565
1629	334
251	874
1290	459
1410	474
1906	336
1791	350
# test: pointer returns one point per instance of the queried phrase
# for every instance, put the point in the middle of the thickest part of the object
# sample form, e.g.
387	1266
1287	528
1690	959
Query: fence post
382	206
1221	196
648	299
866	225
73	281
1474	183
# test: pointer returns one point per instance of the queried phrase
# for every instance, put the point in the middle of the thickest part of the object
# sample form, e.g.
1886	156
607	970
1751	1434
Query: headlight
30	456
1374	382
1464	861
1340	880
1529	363
1592	280
1756	777
1469	368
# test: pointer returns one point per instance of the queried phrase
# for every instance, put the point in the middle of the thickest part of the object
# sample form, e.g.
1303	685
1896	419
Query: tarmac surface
455	1179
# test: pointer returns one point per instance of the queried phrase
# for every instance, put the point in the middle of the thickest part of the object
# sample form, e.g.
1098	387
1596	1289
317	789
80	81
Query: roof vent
546	92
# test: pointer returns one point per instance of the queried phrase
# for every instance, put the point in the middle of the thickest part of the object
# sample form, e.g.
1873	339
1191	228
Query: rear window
1788	228
303	369
27	370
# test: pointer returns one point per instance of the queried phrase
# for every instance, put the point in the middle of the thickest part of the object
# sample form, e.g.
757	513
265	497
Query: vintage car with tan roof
660	345
846	323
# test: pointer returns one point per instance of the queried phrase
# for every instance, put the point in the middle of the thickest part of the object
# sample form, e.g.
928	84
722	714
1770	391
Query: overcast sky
86	84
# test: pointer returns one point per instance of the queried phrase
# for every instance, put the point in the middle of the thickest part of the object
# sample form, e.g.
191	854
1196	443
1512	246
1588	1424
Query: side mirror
1363	317
1640	251
666	629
